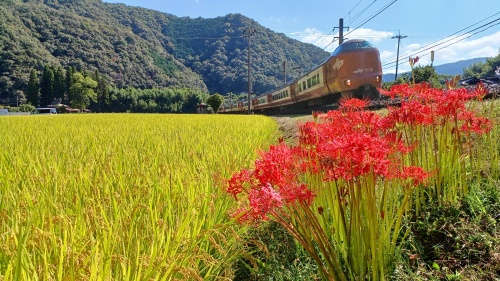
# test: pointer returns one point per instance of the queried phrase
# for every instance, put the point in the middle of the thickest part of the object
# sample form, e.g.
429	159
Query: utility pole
341	30
248	33
432	58
284	70
397	58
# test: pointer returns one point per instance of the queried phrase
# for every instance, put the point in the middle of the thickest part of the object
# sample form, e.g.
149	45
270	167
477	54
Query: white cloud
412	47
385	55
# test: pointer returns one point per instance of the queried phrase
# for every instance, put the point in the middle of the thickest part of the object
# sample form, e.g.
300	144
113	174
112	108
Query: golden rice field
122	196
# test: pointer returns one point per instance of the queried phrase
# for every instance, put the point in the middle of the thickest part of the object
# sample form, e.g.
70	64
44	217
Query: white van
44	110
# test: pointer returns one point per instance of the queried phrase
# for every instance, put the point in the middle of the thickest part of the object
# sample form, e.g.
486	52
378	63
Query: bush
26	107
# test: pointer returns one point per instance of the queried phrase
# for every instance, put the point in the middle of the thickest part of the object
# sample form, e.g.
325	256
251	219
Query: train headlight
347	82
378	78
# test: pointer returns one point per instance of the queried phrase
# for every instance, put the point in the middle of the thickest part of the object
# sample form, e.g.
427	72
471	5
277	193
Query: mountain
457	67
446	69
138	47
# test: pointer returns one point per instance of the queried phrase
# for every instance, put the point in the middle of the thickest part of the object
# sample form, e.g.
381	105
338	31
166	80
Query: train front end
354	69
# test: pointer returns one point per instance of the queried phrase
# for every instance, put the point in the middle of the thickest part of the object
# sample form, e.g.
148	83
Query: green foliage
215	101
159	100
59	83
452	242
482	70
422	74
82	91
47	93
26	107
33	89
274	255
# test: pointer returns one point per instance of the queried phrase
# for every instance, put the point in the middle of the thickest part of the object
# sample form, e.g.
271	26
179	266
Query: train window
351	46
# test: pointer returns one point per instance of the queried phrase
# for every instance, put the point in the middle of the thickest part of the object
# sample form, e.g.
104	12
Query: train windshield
352	45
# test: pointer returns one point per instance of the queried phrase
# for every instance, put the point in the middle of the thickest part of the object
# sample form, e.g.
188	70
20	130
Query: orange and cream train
353	70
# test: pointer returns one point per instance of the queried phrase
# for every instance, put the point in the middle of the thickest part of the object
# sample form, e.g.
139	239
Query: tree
189	106
215	101
69	82
483	70
493	64
422	74
59	83
102	91
82	91
33	89
47	86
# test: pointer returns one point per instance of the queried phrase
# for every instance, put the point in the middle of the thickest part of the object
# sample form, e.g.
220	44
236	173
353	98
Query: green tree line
82	90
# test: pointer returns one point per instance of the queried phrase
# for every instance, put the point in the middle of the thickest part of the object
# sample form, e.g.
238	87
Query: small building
56	103
201	108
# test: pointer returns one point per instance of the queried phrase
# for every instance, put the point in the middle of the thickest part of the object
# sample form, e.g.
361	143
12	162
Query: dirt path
289	126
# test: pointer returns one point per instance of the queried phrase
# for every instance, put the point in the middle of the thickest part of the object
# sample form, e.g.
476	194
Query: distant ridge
453	68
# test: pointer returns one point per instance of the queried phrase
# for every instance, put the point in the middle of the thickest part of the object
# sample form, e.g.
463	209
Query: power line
454	39
353	8
360	13
372	17
433	44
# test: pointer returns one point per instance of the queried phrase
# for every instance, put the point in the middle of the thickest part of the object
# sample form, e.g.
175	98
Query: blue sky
455	30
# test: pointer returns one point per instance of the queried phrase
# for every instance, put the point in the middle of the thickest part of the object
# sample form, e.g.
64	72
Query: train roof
354	41
353	45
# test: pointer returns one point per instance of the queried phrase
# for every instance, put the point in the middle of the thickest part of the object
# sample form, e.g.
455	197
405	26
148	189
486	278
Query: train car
353	70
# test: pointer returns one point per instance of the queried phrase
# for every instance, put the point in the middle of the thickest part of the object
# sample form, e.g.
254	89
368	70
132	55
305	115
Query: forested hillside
141	48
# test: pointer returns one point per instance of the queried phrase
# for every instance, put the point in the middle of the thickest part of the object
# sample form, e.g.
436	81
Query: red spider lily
472	123
262	201
452	102
347	104
413	61
359	121
316	114
297	193
277	166
353	155
411	112
400	90
480	92
453	82
416	174
235	184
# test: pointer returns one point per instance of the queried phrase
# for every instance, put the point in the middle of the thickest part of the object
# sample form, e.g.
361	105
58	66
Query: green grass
122	197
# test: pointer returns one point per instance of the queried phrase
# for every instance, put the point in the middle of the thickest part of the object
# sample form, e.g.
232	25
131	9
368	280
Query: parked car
44	110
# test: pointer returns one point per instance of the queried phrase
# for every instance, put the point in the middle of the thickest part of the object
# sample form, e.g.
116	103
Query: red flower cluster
426	106
352	104
348	144
273	182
